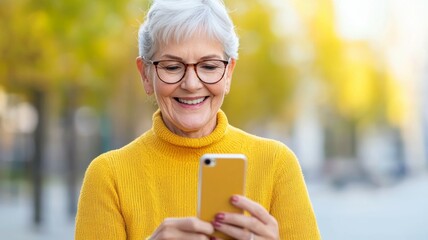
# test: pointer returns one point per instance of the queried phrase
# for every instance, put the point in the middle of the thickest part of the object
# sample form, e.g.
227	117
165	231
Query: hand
183	228
260	225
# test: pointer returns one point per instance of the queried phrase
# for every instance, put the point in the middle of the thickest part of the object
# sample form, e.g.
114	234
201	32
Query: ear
145	78
229	73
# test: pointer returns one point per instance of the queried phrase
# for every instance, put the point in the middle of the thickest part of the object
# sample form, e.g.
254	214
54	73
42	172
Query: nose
191	80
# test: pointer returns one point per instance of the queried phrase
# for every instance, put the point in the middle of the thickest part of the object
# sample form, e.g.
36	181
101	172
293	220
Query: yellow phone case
220	177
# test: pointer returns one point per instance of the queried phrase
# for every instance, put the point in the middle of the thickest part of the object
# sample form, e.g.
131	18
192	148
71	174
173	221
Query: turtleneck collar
160	130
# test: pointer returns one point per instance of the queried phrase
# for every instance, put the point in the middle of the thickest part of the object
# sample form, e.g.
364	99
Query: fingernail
234	199
219	217
213	238
216	224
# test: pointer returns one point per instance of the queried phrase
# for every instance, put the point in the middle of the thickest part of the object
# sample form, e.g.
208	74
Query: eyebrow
173	57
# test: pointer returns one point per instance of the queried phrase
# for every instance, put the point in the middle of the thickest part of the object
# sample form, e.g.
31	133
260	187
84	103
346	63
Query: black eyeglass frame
156	63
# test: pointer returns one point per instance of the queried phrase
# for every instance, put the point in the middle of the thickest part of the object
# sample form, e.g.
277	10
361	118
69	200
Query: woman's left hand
260	225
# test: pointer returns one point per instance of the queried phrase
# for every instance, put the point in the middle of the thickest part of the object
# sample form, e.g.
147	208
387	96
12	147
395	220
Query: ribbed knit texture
128	192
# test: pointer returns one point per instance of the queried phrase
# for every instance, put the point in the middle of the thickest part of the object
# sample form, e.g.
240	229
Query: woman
148	189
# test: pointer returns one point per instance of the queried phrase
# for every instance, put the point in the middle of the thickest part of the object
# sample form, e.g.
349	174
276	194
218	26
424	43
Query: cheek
218	91
163	90
221	89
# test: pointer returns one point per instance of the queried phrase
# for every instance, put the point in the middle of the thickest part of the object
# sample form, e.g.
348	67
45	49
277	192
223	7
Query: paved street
16	216
394	213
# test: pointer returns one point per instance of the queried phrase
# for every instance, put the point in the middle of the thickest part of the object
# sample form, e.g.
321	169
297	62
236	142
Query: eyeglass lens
209	71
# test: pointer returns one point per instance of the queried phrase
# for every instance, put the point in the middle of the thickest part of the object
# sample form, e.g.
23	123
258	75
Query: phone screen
220	177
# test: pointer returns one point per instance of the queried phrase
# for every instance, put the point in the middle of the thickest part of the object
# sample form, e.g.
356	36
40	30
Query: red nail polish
219	217
216	224
234	199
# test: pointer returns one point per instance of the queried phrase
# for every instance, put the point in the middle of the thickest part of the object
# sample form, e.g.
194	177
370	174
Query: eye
171	66
210	65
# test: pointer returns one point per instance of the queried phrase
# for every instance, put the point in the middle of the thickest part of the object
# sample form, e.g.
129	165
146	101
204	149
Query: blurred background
342	82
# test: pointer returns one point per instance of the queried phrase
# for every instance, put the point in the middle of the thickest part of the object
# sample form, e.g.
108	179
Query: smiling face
189	108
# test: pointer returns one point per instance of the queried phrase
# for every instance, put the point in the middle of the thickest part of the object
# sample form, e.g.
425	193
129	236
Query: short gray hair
172	20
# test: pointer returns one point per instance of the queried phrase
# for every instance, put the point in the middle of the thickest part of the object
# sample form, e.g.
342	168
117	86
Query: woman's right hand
183	228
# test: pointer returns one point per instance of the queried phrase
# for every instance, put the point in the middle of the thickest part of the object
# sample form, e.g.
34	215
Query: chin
195	123
193	126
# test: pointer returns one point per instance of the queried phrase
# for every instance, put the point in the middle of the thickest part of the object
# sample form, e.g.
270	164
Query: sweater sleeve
290	200
98	214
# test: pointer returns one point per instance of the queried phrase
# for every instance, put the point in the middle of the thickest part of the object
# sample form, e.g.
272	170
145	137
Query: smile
191	102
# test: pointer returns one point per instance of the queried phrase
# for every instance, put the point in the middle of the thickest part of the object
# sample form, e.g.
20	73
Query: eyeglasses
208	71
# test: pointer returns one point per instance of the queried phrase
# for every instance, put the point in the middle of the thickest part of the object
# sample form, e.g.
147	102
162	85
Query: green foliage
89	48
353	82
59	45
264	80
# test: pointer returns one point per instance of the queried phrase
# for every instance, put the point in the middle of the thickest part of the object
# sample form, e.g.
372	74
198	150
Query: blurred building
396	34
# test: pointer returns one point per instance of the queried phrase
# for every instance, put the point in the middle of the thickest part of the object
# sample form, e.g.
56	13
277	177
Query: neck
192	133
191	139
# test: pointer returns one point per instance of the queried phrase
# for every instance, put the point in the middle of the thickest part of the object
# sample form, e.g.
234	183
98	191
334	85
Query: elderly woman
148	189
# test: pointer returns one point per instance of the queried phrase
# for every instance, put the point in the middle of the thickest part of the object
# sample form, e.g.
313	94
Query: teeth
191	102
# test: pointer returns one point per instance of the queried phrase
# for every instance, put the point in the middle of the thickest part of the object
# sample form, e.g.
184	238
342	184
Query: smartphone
220	177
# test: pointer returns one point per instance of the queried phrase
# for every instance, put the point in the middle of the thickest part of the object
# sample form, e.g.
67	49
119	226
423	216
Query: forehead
193	47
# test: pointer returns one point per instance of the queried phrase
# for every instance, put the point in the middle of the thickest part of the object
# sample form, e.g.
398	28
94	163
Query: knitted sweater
127	193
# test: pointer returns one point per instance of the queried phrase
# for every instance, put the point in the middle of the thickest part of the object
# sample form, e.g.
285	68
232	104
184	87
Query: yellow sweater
127	192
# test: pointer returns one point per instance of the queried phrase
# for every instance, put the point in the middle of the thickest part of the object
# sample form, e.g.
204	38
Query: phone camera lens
207	161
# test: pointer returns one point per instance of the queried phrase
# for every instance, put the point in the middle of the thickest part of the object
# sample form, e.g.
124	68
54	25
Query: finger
242	221
232	231
254	208
183	228
191	224
176	234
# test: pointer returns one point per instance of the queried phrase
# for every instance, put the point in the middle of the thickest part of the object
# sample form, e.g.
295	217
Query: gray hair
172	20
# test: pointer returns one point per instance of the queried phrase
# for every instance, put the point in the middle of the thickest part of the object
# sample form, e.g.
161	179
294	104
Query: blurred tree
76	51
264	80
23	66
351	70
351	73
